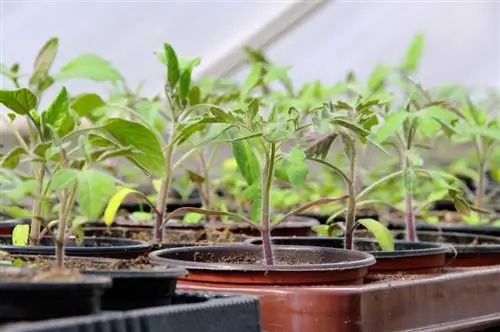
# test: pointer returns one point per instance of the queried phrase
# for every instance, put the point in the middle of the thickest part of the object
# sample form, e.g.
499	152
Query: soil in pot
136	283
243	264
27	295
408	257
469	249
91	247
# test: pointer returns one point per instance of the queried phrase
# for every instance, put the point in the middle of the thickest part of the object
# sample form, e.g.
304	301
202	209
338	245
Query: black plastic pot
408	257
91	247
323	218
190	312
30	300
6	226
448	227
136	289
470	249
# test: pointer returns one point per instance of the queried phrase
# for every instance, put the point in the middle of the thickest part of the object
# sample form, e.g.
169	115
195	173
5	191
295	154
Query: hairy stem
161	204
350	219
36	218
411	231
481	186
265	219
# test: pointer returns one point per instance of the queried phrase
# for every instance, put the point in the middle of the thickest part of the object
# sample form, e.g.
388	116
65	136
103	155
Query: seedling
64	172
255	136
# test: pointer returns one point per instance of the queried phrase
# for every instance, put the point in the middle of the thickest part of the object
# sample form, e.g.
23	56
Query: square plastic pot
458	300
190	312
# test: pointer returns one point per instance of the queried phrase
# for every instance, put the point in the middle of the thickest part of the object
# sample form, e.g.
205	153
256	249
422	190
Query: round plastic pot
135	289
450	227
408	257
6	226
91	247
315	266
470	249
29	301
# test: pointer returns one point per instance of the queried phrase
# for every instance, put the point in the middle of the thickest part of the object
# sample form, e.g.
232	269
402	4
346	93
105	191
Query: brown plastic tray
458	299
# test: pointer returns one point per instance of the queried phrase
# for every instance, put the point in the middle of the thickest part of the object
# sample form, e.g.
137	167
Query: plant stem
265	219
481	187
161	204
350	219
411	231
36	219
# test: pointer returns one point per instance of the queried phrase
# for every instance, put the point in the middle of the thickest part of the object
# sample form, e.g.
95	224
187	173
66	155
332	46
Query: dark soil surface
50	275
47	263
245	259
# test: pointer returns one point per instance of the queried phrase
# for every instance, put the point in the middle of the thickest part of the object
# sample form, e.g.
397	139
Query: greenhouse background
320	40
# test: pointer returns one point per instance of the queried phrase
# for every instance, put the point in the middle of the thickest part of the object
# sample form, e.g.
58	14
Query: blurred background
321	40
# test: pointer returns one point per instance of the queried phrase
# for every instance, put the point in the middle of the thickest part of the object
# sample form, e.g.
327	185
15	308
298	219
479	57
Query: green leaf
115	202
43	62
252	80
91	67
413	54
248	163
173	70
296	167
20	235
12	158
141	138
378	76
192	218
392	123
16	212
195	177
382	234
40	149
86	103
58	116
184	85
63	179
94	190
253	110
414	158
20	101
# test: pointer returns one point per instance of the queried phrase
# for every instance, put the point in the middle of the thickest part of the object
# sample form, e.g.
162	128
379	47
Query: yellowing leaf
20	235
115	202
382	234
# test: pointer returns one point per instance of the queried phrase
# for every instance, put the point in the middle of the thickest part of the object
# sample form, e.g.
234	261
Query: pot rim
428	248
360	259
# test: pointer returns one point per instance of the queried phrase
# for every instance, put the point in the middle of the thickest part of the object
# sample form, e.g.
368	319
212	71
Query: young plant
257	145
349	123
154	154
26	102
64	163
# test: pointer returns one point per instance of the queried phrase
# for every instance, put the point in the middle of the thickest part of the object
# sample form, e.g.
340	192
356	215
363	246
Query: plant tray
189	312
455	300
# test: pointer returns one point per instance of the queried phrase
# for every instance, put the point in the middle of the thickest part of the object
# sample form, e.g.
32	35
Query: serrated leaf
413	54
296	167
94	190
12	158
248	164
173	70
115	202
91	67
43	62
20	101
133	134
20	235
57	115
40	149
382	234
